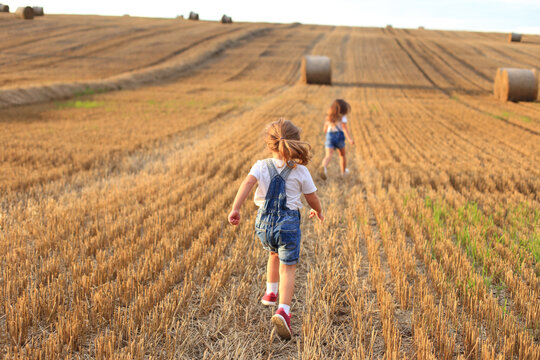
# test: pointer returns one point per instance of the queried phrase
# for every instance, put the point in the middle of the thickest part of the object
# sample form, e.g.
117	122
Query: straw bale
226	19
193	16
38	11
316	70
514	37
4	8
513	84
25	12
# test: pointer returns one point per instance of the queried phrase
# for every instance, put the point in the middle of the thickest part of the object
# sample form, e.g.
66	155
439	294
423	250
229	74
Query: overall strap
271	168
273	171
285	172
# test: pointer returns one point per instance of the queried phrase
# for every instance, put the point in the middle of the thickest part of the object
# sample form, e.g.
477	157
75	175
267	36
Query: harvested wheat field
114	240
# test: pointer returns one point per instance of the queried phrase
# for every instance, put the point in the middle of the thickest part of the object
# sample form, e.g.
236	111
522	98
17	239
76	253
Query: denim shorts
280	233
335	140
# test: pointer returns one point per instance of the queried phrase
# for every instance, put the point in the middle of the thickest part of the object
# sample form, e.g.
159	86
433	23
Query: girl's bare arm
347	134
241	195
316	209
325	127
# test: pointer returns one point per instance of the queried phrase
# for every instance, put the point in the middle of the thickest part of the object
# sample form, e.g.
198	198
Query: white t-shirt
299	182
337	126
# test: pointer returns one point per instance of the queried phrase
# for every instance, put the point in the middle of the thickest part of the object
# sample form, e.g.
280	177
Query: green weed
505	115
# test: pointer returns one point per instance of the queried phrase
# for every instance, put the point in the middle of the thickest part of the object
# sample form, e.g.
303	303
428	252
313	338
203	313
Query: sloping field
114	241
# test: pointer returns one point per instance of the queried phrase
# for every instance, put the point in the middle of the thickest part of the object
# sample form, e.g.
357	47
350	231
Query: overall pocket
289	230
289	221
289	246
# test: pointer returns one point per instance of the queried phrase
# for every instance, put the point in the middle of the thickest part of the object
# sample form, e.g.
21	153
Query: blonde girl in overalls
282	179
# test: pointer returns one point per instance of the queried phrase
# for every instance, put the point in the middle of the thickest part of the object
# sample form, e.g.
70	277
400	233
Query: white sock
272	287
286	308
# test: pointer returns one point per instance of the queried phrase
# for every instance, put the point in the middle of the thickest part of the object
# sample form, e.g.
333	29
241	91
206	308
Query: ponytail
283	137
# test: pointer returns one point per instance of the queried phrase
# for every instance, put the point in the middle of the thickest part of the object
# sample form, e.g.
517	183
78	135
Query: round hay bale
38	11
4	8
514	37
515	84
389	26
421	28
316	70
226	19
24	13
180	17
193	16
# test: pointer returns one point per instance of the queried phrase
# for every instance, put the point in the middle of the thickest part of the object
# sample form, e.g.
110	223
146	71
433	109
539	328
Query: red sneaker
282	324
269	299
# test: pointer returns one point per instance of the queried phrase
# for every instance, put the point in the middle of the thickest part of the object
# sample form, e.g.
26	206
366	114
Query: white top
337	126
299	182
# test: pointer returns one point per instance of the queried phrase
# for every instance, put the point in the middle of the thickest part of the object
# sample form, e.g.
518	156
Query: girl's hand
313	213
234	217
351	141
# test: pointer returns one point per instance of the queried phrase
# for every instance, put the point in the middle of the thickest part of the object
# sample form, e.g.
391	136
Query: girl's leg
342	160
272	269
326	160
272	280
286	285
281	319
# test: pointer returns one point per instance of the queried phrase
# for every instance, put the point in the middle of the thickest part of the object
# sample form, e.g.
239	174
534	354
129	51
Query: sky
521	16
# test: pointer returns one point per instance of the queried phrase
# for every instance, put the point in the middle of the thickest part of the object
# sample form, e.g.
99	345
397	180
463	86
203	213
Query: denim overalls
277	227
335	139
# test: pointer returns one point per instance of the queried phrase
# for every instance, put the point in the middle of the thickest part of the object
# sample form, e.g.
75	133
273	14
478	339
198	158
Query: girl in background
335	128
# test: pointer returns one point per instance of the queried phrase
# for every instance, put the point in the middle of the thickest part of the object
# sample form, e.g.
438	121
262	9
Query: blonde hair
337	110
283	137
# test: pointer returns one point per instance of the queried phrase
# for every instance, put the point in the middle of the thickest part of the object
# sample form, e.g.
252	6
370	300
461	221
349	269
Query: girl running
335	128
282	179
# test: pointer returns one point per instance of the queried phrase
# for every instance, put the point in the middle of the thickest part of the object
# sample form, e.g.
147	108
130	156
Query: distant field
114	241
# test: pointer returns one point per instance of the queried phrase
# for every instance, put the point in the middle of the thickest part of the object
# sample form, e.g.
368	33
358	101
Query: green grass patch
523	216
469	230
476	226
480	233
79	104
506	115
499	117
